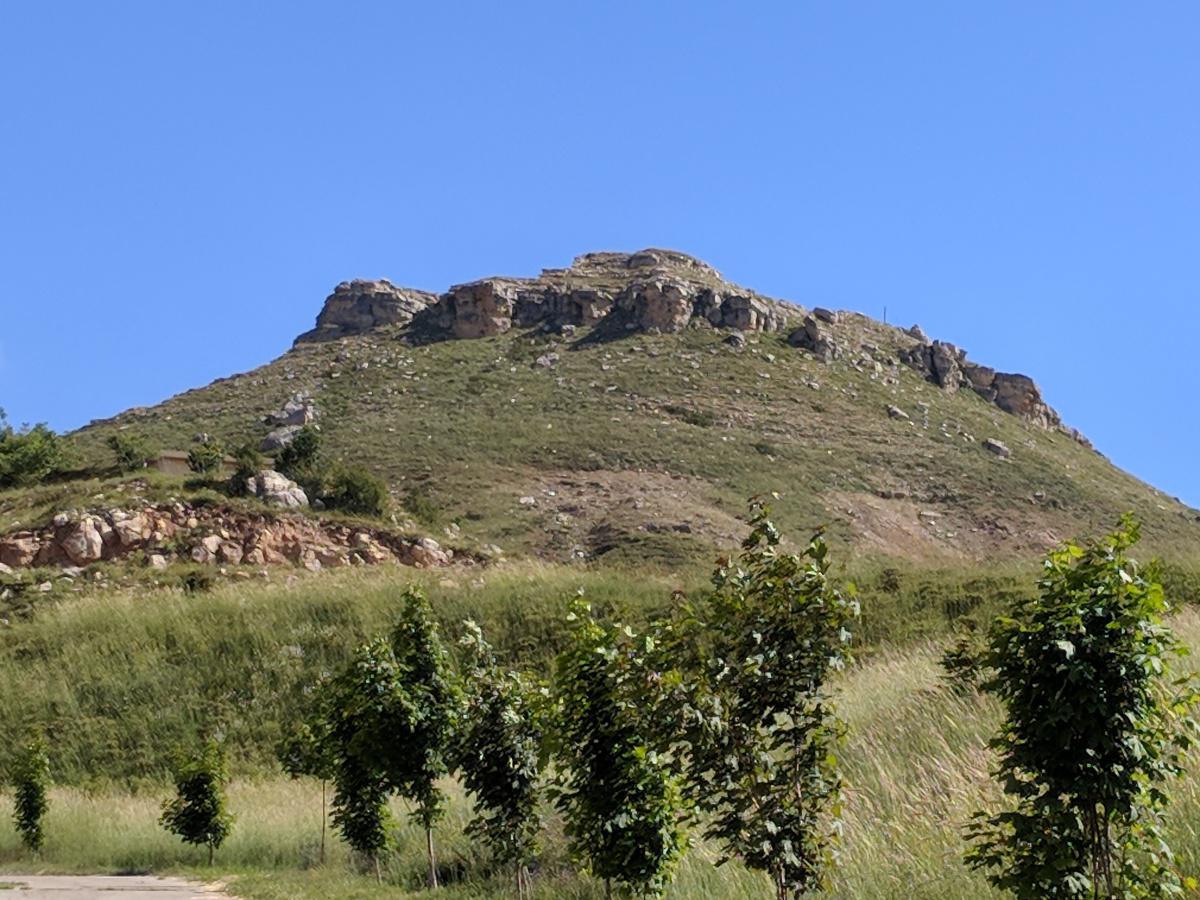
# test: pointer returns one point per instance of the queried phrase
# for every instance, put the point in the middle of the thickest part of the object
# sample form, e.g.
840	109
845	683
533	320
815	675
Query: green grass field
915	763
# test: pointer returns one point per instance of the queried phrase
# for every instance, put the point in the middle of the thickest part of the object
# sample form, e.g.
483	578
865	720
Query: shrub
358	492
31	778
197	812
248	463
28	455
302	457
206	457
962	661
131	452
422	507
1094	729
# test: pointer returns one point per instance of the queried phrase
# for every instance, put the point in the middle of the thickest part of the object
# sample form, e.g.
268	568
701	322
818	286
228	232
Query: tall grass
915	761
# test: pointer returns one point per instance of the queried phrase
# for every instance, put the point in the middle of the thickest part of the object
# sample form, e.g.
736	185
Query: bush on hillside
356	491
301	459
29	454
248	462
206	457
131	452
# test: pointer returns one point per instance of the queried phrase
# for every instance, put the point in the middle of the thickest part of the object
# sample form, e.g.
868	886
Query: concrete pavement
103	887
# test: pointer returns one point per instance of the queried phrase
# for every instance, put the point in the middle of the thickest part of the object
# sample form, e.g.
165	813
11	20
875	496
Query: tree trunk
378	872
433	880
210	854
323	819
607	889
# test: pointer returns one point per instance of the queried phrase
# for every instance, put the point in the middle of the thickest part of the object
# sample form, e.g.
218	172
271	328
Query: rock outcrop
358	306
816	339
650	291
947	366
208	534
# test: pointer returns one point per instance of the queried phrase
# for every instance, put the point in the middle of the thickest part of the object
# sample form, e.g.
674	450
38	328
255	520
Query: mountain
627	406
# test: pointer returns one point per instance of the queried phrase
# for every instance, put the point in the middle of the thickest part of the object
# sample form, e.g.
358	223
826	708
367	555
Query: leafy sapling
308	752
498	757
31	778
197	812
1096	728
621	804
419	745
747	698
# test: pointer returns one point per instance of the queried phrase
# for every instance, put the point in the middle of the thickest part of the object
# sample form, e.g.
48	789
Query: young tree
497	754
361	707
748	703
197	812
1095	727
621	805
31	777
419	745
308	752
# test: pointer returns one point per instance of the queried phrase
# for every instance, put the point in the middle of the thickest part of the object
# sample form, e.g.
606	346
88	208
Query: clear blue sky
181	184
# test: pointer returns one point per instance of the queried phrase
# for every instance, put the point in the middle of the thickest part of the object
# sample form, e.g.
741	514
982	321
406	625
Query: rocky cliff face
651	291
358	306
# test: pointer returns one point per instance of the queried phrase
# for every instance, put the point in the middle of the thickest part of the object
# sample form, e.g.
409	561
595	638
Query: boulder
19	550
658	306
298	411
279	438
481	308
427	552
997	447
896	412
83	543
275	489
132	530
944	362
813	337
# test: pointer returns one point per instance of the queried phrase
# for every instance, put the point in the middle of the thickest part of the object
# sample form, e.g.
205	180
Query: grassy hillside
645	448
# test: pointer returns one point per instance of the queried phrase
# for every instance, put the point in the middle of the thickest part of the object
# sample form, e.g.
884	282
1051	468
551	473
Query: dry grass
915	762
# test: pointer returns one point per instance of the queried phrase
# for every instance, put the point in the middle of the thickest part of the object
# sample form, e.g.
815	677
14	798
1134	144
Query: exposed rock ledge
947	366
210	534
652	290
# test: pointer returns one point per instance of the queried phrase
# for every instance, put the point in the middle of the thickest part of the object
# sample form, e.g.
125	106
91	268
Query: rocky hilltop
658	291
651	291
